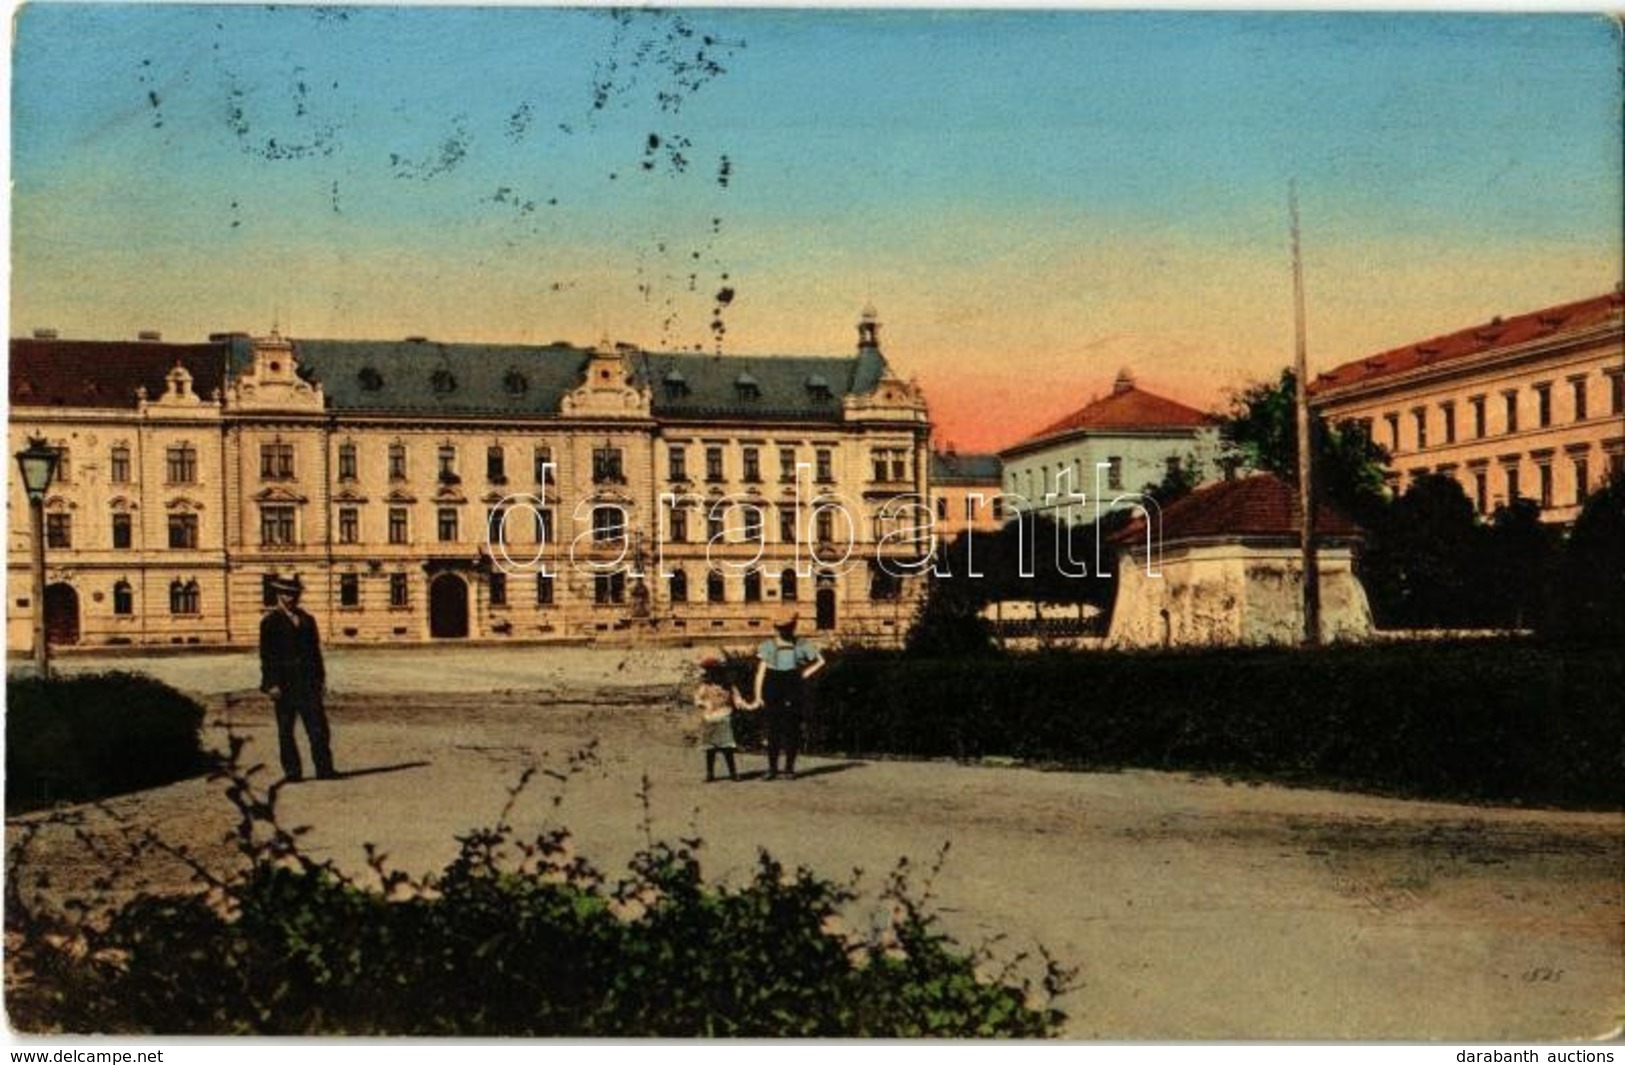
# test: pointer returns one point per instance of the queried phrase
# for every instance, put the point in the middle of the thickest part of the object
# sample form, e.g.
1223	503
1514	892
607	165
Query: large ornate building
1529	407
423	490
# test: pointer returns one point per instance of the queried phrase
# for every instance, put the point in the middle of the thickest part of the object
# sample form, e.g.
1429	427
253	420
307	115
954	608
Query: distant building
966	494
1528	407
1223	568
1110	450
425	491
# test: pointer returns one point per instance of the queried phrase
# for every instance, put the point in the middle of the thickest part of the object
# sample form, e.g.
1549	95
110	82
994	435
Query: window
276	526
180	464
118	467
1511	399
276	462
606	466
753	586
121	532
609	588
881	466
787	586
349	525
753	465
497	583
183	532
1578	384
347	463
714	524
64	466
787	523
899	465
1447	411
1543	405
184	598
1114	472
1480	426
349	590
715	588
1582	479
397	525
123	599
1393	431
753	522
496	521
59	530
397	462
787	465
713	464
1420	414
1481	490
1544	472
1513	492
970	508
544	589
496	471
608	524
446	460
825	461
884	586
542	465
544	525
679	525
1616	391
825	525
400	595
942	508
677	586
446	524
677	464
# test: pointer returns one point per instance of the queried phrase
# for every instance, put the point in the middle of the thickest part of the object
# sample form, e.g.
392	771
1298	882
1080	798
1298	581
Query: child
716	699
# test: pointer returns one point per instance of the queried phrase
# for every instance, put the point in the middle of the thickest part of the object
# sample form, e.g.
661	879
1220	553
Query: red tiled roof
1262	505
1488	336
1127	407
106	373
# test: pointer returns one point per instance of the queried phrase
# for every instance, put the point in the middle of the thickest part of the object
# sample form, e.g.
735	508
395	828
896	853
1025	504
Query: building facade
966	494
1529	407
1110	451
428	491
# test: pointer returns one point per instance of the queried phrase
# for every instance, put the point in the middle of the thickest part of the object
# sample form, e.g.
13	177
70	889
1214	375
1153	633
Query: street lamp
38	464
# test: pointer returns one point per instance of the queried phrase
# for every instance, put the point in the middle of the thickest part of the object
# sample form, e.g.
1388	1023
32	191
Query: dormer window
515	383
443	382
818	388
370	379
747	387
675	384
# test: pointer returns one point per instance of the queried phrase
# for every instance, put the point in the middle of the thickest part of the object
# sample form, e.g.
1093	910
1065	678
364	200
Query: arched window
714	588
753	586
677	584
123	599
787	586
184	597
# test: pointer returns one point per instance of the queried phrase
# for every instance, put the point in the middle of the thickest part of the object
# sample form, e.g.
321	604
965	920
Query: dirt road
1192	908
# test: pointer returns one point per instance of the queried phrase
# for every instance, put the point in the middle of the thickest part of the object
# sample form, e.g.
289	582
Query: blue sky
1031	199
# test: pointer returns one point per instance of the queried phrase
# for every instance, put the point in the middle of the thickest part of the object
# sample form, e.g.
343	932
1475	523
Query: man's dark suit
291	663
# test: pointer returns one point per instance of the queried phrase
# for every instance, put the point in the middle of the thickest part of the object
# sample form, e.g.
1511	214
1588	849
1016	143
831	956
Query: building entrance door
448	607
826	607
61	614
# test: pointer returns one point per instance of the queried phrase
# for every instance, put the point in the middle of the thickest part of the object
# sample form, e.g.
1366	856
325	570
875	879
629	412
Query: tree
1426	560
1589	590
1262	426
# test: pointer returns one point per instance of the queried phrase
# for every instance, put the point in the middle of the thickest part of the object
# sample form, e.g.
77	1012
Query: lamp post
38	464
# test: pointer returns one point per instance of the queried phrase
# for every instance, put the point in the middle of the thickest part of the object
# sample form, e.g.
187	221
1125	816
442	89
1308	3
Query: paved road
1191	908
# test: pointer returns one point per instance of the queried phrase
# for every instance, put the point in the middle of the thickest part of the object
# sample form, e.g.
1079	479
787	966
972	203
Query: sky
1031	200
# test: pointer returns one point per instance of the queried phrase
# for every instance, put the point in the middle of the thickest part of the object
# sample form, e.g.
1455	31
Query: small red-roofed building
1109	452
1222	567
1527	407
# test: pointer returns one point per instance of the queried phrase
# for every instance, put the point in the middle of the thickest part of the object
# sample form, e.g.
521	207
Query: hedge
1503	720
80	738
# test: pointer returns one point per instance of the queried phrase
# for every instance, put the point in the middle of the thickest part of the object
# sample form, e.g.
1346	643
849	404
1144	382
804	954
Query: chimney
149	335
1124	382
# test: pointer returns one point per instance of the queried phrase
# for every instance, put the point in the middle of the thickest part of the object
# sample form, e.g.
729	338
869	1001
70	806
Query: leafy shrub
513	938
1497	720
86	737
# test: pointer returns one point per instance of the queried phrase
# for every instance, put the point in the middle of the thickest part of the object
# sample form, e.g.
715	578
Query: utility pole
1306	481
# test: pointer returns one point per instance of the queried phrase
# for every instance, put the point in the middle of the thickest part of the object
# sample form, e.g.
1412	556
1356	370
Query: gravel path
1192	909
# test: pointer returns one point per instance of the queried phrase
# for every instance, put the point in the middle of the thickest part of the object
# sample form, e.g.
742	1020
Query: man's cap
785	617
287	585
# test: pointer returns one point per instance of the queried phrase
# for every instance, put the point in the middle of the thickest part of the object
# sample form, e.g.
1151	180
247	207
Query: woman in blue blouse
783	667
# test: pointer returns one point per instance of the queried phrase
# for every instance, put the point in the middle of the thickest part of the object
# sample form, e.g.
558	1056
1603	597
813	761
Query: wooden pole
1306	483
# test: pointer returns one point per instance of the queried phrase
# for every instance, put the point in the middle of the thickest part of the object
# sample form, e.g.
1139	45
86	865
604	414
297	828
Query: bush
1496	720
513	938
87	737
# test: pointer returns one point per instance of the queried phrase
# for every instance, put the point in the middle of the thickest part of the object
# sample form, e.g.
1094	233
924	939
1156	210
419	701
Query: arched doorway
61	614
825	604
448	607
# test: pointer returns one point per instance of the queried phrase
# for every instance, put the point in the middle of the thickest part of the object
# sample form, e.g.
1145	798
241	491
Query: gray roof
955	468
686	385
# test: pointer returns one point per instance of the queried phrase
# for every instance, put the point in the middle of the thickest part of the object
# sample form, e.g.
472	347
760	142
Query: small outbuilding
1222	567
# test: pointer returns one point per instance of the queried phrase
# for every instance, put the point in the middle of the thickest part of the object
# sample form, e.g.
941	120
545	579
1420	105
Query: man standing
292	674
783	666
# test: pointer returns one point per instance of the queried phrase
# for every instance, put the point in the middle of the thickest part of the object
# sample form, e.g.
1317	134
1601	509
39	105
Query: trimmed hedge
75	739
1503	721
